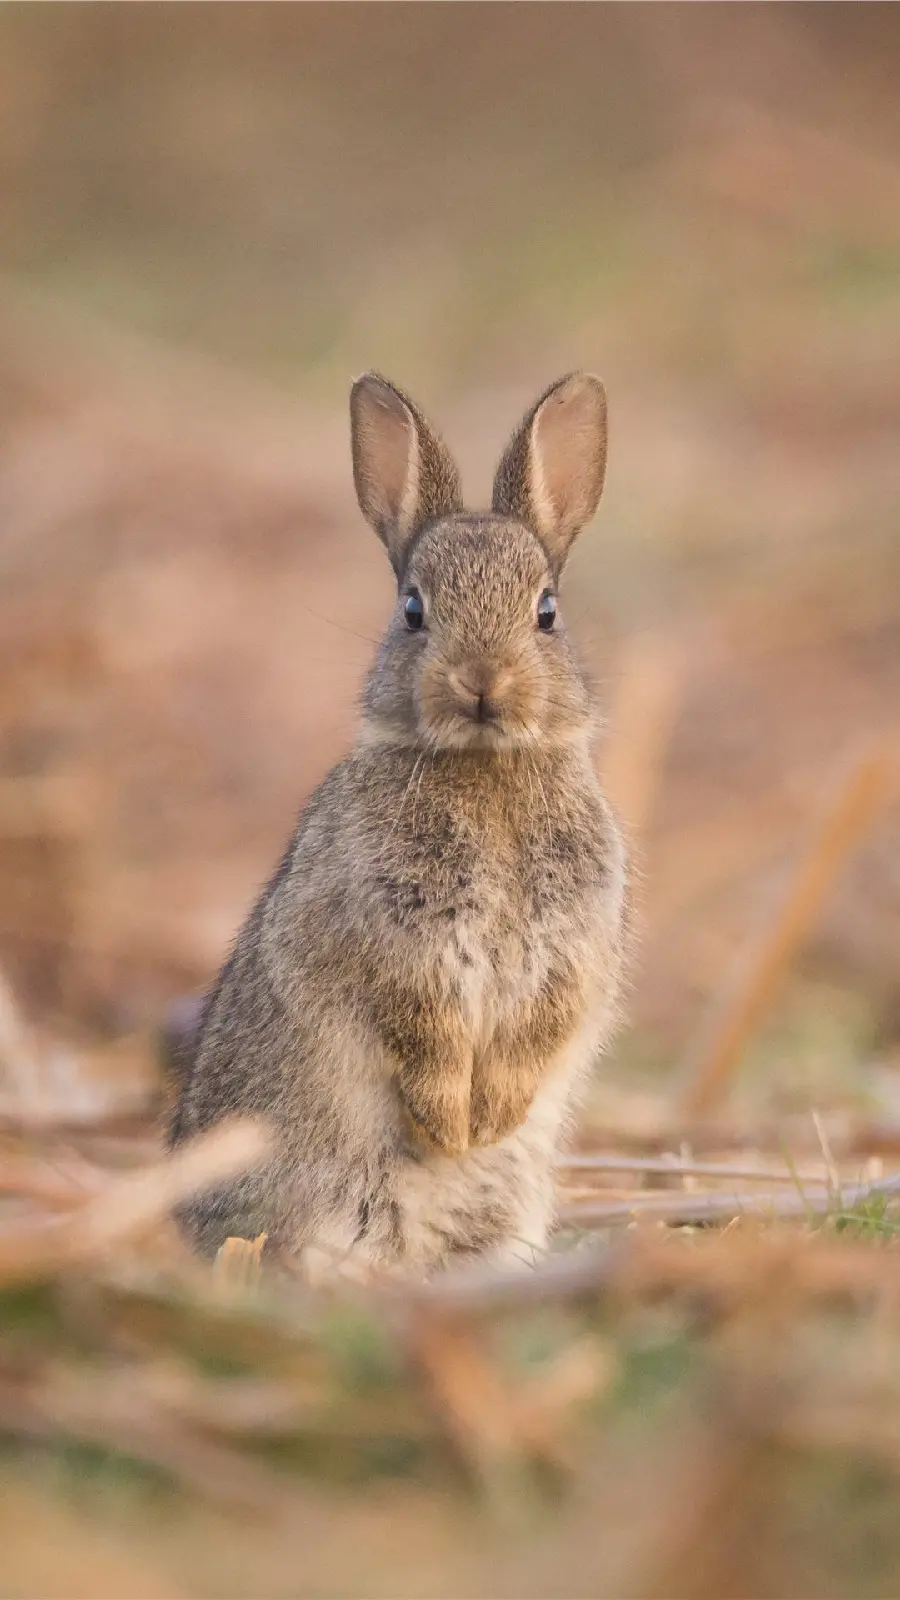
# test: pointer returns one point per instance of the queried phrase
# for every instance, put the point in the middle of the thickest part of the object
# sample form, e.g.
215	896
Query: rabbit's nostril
479	688
484	688
464	688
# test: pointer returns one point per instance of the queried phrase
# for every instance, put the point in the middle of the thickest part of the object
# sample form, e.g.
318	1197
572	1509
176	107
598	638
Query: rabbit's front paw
499	1107
438	1118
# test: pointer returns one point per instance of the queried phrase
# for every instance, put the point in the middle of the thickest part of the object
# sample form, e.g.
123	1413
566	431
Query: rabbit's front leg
509	1072
433	1053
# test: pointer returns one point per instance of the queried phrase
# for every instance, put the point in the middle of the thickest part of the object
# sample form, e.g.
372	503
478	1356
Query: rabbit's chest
491	970
501	933
486	912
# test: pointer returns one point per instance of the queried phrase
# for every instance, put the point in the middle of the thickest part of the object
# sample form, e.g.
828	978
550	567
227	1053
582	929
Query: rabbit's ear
552	471
404	473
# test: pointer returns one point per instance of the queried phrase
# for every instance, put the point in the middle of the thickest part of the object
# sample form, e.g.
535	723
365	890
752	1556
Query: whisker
418	787
543	795
342	627
409	782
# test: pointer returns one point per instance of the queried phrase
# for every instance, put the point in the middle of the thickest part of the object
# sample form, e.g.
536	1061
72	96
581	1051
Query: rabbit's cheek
431	697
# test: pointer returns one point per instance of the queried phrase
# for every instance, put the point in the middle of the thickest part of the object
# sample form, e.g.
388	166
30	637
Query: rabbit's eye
414	611
546	611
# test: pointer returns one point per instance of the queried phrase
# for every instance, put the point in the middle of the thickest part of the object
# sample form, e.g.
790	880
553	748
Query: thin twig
682	1209
664	1165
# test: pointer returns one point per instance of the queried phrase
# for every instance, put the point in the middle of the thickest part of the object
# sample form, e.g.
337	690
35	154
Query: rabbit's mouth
484	712
485	727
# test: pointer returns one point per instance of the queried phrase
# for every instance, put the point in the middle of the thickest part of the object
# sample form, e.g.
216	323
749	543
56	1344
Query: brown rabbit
424	985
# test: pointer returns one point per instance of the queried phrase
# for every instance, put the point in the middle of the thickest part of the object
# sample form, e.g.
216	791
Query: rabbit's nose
479	689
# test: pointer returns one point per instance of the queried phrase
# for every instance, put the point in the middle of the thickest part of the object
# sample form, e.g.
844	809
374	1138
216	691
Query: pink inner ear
385	435
570	452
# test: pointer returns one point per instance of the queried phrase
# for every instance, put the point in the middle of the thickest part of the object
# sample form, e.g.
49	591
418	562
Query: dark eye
414	611
546	611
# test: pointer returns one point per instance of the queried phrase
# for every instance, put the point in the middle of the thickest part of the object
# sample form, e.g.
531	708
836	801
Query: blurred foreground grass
688	1412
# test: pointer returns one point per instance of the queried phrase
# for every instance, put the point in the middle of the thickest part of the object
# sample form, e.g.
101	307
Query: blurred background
213	218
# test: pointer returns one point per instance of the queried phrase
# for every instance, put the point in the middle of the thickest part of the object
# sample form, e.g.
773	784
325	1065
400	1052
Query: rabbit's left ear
551	474
403	471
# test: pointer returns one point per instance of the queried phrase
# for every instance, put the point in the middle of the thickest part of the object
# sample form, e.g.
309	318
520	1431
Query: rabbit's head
476	655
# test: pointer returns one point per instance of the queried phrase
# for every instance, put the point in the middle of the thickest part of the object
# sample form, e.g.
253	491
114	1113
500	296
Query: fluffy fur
419	993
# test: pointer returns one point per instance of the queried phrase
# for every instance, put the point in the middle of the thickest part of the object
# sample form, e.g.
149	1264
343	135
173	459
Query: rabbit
418	996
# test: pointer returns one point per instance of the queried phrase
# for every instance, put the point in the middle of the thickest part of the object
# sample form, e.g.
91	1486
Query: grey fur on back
417	997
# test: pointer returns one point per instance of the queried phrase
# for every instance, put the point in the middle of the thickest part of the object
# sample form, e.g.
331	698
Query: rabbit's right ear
404	473
552	471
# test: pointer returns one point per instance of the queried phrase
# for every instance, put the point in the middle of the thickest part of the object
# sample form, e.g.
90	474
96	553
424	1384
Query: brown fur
429	976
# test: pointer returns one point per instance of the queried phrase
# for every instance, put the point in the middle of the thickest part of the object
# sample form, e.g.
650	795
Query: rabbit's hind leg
494	1205
515	1237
